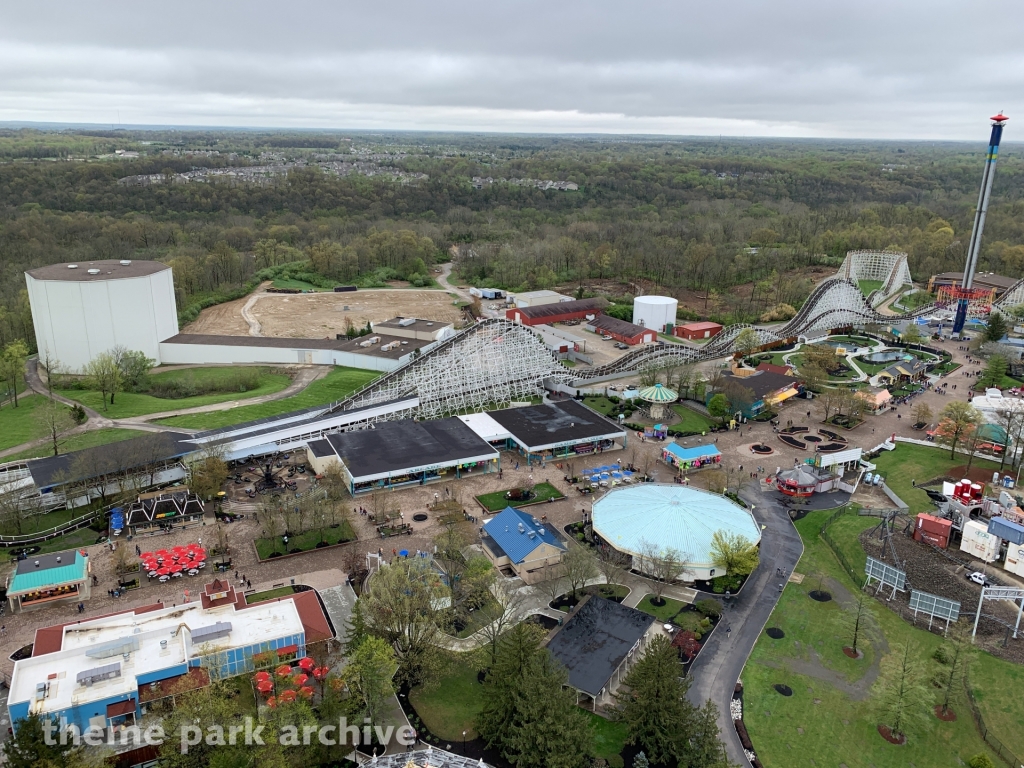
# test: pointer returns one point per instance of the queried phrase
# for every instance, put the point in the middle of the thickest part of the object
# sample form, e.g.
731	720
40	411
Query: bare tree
666	566
611	563
56	422
580	566
555	584
500	613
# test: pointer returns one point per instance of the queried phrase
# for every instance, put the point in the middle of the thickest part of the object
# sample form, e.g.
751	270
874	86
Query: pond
887	356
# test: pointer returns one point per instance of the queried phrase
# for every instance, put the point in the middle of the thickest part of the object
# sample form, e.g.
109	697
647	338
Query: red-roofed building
782	370
697	331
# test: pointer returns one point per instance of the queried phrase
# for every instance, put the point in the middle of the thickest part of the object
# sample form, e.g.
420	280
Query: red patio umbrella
287	695
262	675
198	554
283	671
306	663
151	566
265	686
321	672
164	571
300	679
306	692
162	553
146	556
271	702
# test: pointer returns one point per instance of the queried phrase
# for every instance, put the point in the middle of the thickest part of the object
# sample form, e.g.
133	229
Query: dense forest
733	227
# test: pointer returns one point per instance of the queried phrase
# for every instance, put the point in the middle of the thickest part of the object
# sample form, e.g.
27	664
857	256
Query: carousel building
805	480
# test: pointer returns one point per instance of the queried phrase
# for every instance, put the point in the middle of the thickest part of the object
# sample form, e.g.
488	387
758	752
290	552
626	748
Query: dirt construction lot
316	315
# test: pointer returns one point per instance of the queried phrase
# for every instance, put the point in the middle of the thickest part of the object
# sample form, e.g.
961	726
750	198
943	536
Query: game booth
805	480
691	458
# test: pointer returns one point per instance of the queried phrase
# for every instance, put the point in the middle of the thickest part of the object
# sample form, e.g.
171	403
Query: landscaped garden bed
538	494
309	541
615	592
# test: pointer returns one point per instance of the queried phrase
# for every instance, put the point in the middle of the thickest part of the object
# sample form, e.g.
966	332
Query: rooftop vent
58	558
72	266
125	262
36	563
522	528
407	321
163	644
93	271
541	531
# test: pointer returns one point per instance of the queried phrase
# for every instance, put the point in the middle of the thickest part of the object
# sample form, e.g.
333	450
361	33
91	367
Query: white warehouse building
81	310
655	312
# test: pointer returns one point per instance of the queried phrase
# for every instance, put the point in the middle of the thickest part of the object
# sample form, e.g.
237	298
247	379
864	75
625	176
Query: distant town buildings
479	182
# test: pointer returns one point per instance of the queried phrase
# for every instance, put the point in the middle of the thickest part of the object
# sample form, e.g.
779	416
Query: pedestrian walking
248	584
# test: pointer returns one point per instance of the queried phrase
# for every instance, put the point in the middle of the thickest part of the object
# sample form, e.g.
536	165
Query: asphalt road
721	661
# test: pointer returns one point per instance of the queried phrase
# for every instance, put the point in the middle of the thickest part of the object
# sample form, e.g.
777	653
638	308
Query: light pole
464	743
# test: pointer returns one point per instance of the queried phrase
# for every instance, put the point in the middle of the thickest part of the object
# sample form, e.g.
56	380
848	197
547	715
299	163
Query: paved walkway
720	663
339	601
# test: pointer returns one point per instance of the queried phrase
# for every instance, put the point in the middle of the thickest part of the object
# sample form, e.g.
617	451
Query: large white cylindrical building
80	310
654	311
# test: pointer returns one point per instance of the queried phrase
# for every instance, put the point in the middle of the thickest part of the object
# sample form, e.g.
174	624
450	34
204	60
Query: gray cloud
786	68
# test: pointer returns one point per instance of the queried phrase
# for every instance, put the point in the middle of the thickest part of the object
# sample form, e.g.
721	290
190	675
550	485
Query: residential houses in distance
479	182
277	168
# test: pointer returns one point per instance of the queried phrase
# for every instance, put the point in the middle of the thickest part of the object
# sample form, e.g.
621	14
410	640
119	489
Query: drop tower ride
966	287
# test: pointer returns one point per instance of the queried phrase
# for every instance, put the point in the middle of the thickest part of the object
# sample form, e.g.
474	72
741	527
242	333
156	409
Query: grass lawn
78	442
305	541
136	404
664	612
820	724
301	285
609	738
18	425
451	707
334	386
867	286
996	687
691	420
475	620
270	594
496	501
568	363
910	463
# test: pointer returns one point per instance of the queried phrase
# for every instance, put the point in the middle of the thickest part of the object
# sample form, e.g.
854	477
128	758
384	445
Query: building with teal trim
43	580
100	673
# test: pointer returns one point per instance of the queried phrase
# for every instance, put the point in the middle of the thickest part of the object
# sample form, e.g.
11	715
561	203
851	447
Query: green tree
911	334
902	692
12	366
996	328
579	566
370	672
705	748
719	407
960	654
981	760
133	365
56	421
654	706
104	376
747	341
995	370
733	552
856	619
530	715
29	747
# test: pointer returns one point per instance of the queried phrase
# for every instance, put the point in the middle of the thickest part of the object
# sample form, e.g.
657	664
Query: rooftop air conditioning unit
125	262
93	271
72	266
407	321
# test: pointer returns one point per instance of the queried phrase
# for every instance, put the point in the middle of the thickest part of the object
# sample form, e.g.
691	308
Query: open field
691	420
319	315
127	404
334	386
78	442
910	463
497	501
451	707
868	286
831	717
19	425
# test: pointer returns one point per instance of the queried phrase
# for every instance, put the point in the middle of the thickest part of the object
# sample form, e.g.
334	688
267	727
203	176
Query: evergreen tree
705	748
28	747
655	708
996	327
641	761
529	716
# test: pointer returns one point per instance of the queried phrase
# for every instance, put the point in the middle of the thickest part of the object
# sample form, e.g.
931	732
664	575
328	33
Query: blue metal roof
511	529
689	454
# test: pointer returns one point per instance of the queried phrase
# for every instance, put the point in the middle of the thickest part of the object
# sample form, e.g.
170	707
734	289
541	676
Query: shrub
981	760
705	623
940	655
722	583
616	761
709	607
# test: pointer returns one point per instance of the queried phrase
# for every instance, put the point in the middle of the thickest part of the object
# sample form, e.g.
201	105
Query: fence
854	576
997	746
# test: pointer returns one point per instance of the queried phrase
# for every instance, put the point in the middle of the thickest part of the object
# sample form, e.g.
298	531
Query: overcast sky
860	68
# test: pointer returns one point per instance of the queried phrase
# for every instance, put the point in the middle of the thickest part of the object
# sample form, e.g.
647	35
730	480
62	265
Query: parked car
620	345
606	337
979	578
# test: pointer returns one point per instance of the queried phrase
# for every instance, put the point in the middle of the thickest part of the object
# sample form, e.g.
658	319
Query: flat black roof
562	307
763	382
417	324
111	458
560	422
595	640
405	346
46	562
395	446
621	327
320	448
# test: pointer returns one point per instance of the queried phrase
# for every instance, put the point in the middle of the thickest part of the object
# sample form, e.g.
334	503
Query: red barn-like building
559	312
697	331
